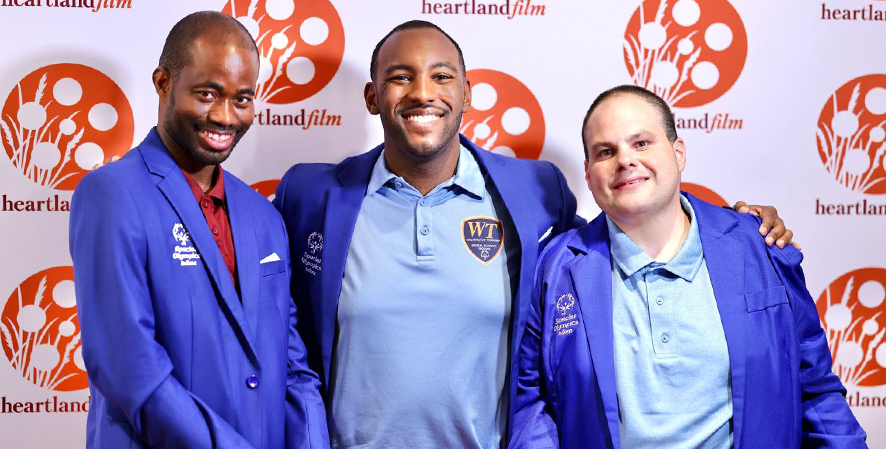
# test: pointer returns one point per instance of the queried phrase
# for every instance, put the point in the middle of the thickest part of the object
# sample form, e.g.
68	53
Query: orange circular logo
851	134
40	332
505	117
63	119
688	52
300	42
852	310
267	189
703	193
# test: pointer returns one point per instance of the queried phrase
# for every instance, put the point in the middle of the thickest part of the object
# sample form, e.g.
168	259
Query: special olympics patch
483	237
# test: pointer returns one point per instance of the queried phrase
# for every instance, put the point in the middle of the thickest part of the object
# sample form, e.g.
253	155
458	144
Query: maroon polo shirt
214	208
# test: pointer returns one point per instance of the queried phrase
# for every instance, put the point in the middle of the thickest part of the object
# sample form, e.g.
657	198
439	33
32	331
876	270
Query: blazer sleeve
125	362
534	427
827	420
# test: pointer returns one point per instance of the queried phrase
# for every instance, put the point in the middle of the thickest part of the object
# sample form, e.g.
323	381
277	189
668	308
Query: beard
424	148
185	129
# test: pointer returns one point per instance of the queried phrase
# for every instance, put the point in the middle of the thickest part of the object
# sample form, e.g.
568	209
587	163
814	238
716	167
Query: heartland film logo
689	53
509	9
92	5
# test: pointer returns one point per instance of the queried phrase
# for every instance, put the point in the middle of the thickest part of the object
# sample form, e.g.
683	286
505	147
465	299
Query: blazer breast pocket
274	267
765	299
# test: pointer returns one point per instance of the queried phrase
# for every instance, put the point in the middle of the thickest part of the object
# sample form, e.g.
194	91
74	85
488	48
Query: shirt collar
631	259
467	176
217	192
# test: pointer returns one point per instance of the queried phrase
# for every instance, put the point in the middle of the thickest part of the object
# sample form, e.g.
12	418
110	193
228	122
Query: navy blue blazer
784	394
320	203
175	356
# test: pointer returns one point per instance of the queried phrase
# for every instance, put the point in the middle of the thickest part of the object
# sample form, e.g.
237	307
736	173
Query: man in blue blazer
410	261
182	271
666	321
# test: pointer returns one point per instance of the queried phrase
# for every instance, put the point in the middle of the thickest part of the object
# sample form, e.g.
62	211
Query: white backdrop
794	93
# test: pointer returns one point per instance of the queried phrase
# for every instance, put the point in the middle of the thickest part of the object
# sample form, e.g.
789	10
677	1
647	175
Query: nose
625	157
222	113
423	90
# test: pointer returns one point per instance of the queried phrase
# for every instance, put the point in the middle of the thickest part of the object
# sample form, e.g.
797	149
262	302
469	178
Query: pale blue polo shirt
671	360
424	315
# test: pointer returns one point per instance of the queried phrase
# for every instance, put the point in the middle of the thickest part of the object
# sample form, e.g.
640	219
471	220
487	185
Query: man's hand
772	227
111	159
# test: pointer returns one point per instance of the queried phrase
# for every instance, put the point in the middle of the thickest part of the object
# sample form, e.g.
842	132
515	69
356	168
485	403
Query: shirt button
252	381
423	202
665	338
424	230
215	231
205	203
398	184
659	301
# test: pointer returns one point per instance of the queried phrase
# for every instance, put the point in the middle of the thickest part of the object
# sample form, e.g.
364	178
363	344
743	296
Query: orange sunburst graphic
852	310
267	189
688	52
301	44
63	119
505	117
40	332
703	193
851	134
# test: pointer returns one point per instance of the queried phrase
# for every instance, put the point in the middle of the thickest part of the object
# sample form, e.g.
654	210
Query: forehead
417	47
225	59
624	113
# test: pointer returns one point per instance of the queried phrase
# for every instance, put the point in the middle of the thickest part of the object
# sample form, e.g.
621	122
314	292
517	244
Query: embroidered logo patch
309	258
483	237
563	325
184	252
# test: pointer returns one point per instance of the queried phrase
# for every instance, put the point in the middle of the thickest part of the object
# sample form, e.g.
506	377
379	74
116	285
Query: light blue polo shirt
671	360
423	318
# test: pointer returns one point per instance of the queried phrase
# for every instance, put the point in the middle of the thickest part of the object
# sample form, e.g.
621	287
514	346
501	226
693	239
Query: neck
203	175
423	173
661	235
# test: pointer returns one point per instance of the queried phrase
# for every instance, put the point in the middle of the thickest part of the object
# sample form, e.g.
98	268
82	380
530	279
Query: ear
371	98
467	104
588	173
680	152
162	82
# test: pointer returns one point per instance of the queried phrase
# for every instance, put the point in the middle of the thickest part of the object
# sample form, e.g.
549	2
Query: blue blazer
320	203
784	394
175	356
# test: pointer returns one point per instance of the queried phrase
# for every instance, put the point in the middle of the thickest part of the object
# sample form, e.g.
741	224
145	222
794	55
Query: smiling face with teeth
208	106
420	93
633	169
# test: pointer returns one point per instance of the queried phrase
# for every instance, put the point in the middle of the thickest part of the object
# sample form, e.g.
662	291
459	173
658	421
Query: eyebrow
436	65
630	138
218	87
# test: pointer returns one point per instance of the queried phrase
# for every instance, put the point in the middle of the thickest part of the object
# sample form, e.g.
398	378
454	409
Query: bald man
184	307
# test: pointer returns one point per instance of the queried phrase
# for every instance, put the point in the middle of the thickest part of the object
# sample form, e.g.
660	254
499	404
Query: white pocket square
273	257
546	234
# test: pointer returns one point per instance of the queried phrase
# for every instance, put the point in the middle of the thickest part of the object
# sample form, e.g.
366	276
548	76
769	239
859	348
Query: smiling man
182	272
408	260
667	322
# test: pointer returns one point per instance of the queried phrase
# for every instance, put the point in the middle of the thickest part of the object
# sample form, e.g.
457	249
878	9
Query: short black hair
412	25
664	111
176	52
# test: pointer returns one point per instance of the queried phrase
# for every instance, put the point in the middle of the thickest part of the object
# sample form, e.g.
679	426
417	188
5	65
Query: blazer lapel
243	230
592	279
176	190
721	251
342	207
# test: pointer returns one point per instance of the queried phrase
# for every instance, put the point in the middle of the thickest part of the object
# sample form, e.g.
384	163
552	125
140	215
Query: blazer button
252	381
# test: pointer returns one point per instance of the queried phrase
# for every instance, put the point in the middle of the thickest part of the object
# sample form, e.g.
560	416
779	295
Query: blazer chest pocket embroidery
269	268
765	299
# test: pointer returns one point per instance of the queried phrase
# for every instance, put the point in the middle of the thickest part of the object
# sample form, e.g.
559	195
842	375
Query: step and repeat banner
780	103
